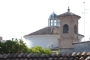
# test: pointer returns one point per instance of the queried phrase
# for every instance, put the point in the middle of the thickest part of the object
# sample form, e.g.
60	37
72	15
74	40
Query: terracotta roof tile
74	54
84	54
11	55
25	59
25	55
16	55
0	55
88	58
81	58
38	55
20	55
68	14
34	55
6	55
3	55
88	53
30	56
79	53
46	30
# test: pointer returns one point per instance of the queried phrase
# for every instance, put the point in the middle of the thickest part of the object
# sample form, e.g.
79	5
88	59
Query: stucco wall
83	46
42	40
66	50
45	40
78	47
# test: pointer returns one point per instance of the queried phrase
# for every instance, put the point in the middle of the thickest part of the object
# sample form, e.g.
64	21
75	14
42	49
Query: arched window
65	29
53	22
75	29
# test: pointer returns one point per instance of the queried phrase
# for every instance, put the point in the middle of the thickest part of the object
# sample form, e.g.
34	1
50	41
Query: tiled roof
68	14
46	30
30	56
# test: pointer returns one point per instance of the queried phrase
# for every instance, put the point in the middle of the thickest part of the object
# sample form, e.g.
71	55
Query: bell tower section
68	29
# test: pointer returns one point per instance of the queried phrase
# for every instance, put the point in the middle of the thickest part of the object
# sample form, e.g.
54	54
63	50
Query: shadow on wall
77	47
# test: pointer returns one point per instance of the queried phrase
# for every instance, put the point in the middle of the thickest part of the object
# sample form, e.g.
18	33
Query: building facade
61	32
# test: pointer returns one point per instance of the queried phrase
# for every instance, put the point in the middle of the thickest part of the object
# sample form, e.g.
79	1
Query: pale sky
21	17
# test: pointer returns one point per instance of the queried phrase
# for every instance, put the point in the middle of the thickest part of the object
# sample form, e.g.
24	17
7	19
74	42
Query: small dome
53	16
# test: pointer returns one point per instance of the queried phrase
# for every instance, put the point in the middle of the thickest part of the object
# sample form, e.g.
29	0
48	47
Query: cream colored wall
42	40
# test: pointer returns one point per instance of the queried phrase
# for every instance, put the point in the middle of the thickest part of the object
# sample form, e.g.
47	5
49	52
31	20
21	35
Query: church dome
53	16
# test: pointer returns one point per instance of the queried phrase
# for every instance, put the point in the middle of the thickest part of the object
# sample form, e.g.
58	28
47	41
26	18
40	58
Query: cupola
53	21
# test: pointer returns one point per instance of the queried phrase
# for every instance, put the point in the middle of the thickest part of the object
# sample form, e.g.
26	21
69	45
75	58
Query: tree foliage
13	46
17	45
39	49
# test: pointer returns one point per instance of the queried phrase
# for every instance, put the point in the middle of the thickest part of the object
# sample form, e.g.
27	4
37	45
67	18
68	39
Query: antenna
68	2
53	10
84	20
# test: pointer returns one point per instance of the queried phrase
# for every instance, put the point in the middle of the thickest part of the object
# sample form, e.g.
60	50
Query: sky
21	17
